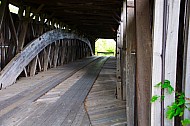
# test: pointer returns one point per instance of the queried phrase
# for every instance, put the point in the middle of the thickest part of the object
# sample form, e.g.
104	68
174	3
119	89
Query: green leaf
158	85
181	114
178	111
181	102
170	89
170	114
185	122
167	81
154	98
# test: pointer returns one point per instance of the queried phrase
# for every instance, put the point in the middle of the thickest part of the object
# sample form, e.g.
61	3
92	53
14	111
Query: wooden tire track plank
69	119
18	114
84	85
25	96
81	117
102	106
119	116
65	104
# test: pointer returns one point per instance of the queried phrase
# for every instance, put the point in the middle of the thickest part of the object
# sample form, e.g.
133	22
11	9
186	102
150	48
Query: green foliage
154	98
177	108
105	45
185	122
165	85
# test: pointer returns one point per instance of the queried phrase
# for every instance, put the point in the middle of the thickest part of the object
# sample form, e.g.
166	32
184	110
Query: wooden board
66	108
144	60
186	75
101	104
41	87
171	52
130	65
157	60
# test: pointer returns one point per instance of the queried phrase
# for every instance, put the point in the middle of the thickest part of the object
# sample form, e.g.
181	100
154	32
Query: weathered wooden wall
21	56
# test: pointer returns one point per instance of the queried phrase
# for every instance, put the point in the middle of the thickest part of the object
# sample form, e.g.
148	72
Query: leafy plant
178	106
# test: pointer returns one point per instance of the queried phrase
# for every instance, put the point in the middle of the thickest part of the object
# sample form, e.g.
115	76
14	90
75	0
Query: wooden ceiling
95	18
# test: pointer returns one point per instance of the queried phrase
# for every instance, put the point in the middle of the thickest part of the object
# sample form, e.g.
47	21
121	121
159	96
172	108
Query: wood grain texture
186	74
144	59
118	70
157	60
124	52
171	52
130	65
13	69
101	104
26	108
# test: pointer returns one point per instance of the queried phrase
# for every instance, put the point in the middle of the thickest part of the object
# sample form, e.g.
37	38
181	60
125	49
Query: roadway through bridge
81	93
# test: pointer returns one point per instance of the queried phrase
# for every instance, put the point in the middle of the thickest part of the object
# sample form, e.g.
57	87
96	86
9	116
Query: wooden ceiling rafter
94	18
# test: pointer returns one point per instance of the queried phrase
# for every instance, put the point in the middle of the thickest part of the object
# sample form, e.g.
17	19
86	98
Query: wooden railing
106	53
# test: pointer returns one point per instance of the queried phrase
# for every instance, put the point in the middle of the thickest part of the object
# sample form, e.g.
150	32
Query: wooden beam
62	52
157	60
33	66
47	51
13	69
23	30
39	62
13	30
37	11
171	52
124	53
186	61
130	65
56	50
3	6
144	59
118	70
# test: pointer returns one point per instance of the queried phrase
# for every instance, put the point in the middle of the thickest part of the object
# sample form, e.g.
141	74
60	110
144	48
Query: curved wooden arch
14	68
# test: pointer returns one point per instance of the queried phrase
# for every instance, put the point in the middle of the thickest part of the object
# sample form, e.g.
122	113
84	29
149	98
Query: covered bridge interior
51	77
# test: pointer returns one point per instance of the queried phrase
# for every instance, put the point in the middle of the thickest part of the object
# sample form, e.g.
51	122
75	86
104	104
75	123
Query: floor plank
101	104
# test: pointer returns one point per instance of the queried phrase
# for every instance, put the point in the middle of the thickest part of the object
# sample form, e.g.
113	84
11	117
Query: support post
23	29
171	52
157	60
130	65
144	59
118	71
124	53
186	61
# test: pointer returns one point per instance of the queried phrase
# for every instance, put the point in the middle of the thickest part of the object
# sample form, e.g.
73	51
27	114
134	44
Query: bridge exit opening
105	47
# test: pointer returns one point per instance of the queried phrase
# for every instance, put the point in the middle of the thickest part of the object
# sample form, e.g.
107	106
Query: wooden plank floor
102	106
56	97
56	94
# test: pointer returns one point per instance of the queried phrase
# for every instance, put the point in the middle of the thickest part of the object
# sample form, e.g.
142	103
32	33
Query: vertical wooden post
33	66
118	71
121	53
186	67
124	55
172	16
23	29
144	59
187	74
56	52
157	60
63	52
47	52
4	4
131	64
171	52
